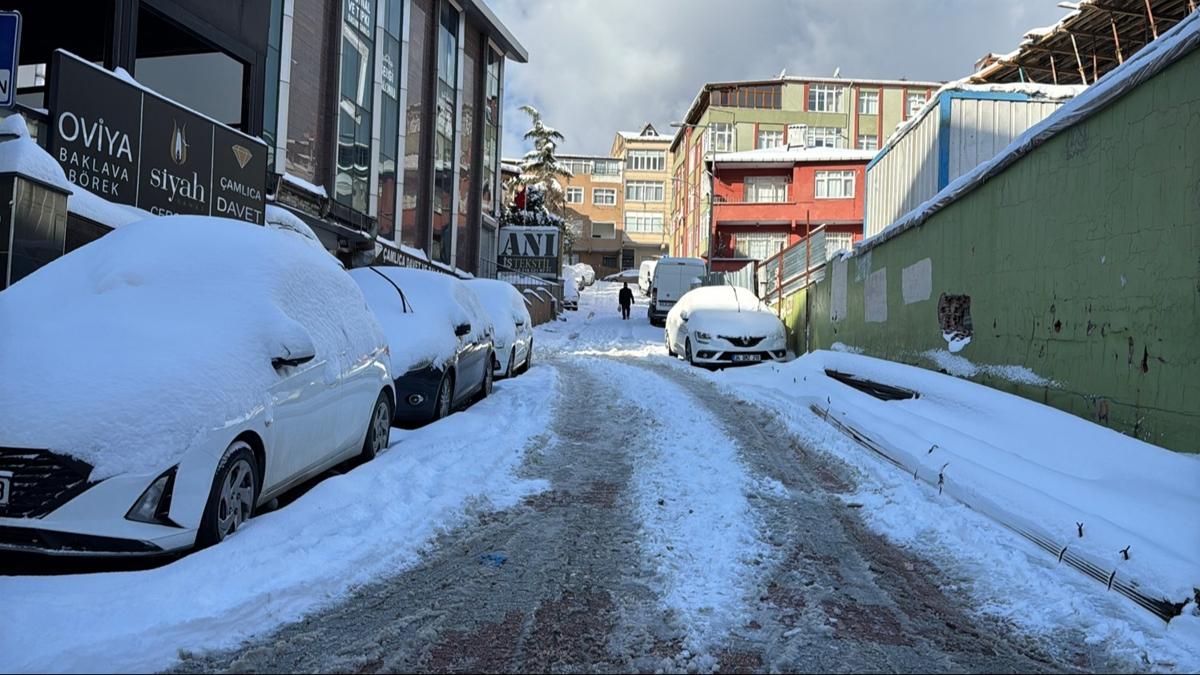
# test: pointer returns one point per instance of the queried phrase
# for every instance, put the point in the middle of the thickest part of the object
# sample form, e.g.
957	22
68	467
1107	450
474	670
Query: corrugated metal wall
905	176
979	129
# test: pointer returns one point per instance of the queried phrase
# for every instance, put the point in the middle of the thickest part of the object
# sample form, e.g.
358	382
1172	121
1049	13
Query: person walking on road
626	299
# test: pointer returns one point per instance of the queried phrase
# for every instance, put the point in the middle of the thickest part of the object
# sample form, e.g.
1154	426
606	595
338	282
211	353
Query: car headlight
701	336
154	506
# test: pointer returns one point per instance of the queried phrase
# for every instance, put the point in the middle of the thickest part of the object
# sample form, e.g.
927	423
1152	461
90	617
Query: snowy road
679	529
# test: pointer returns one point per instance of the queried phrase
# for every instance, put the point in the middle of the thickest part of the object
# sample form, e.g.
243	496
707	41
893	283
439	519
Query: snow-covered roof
1146	63
637	136
795	154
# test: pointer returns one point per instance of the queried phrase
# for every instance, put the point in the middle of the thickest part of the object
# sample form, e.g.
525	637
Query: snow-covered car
151	402
440	338
646	275
587	275
629	276
570	289
513	338
724	326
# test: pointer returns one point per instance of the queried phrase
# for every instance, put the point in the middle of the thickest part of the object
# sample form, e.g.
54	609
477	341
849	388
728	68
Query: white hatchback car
160	384
724	326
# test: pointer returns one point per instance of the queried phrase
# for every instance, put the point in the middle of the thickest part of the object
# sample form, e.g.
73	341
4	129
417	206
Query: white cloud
599	66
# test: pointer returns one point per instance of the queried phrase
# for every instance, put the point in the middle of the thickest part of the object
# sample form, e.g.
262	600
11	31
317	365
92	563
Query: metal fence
792	268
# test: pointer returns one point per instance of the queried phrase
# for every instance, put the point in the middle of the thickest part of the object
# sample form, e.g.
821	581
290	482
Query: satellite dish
837	72
782	73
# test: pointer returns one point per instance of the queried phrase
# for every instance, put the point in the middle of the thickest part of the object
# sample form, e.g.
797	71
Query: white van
672	278
646	275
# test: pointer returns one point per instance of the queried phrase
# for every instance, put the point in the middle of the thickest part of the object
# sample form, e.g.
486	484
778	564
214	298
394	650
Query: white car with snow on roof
513	337
152	402
724	326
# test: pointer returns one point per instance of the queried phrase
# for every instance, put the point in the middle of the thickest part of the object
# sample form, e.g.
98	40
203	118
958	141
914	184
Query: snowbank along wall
1075	272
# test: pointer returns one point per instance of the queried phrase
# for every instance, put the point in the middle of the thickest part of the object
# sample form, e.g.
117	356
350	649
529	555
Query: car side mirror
462	329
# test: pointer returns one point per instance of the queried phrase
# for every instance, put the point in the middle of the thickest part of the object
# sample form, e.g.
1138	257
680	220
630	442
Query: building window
627	259
913	103
758	245
719	137
868	102
644	223
646	160
868	142
644	191
770	139
604	196
836	242
835	184
491	130
443	137
271	94
769	97
826	137
606	167
352	182
608	261
766	189
389	123
604	230
825	98
578	167
574	195
415	205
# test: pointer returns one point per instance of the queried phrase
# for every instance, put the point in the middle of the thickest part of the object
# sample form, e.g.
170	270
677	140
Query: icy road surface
611	510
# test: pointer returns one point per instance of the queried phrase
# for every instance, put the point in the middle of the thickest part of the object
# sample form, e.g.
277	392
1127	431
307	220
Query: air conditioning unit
797	135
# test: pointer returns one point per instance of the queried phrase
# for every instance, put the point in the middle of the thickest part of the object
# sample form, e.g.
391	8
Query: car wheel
512	358
233	495
444	403
379	429
687	351
670	347
489	378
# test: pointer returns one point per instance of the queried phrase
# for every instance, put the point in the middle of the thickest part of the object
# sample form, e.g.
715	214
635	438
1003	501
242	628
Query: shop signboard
132	146
533	250
10	50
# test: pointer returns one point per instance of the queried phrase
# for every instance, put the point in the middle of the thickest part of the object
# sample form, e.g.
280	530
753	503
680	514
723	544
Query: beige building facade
647	188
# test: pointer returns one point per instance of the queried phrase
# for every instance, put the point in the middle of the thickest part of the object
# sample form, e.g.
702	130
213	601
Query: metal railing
793	268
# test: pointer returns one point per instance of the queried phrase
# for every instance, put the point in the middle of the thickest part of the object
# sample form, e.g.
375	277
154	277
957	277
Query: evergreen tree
545	199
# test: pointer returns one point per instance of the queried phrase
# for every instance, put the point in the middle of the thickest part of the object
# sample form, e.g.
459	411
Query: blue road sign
10	49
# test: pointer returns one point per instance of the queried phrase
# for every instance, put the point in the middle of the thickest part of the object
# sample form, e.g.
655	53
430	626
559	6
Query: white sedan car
159	385
719	326
513	335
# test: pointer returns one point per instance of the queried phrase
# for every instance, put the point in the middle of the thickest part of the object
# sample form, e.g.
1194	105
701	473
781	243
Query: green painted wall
1082	263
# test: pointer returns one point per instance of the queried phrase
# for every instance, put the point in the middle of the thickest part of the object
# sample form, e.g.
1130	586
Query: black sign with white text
532	250
131	146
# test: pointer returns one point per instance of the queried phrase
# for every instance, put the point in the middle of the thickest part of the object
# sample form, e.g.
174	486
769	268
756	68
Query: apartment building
647	188
763	114
595	206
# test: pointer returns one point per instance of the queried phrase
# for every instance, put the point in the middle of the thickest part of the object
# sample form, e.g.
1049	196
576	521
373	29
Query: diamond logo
242	155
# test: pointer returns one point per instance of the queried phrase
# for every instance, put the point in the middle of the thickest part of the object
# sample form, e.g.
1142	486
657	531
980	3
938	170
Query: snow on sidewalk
698	529
1027	463
346	531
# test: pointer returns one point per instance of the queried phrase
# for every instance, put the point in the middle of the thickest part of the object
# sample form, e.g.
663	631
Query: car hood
733	323
125	352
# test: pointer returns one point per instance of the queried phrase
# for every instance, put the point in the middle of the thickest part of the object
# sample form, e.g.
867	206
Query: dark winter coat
625	297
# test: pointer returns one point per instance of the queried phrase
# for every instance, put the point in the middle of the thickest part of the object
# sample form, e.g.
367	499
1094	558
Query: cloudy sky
599	66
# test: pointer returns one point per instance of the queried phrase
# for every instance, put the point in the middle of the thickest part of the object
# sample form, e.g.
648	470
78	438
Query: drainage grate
883	392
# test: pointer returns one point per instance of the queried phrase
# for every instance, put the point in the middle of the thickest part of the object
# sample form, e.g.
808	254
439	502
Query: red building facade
767	200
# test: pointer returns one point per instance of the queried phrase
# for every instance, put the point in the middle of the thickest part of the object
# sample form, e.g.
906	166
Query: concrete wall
1082	265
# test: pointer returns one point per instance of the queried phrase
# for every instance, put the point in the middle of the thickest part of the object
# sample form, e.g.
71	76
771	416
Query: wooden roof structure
1095	37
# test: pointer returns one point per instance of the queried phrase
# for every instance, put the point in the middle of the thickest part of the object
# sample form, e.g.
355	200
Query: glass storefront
389	134
468	178
352	180
414	227
443	136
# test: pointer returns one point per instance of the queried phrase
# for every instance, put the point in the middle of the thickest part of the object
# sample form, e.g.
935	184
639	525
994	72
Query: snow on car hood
127	350
505	305
437	304
730	322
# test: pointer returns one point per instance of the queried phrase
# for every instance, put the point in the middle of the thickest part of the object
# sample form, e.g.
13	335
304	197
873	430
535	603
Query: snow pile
960	366
420	323
21	154
373	521
1021	462
305	186
121	354
506	307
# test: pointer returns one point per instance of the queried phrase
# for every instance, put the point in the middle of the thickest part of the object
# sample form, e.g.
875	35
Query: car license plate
5	487
747	357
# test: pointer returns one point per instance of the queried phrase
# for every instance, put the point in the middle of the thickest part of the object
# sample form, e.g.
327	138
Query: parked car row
150	404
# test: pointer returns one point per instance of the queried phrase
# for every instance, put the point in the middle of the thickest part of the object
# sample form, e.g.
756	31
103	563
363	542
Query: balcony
752	213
